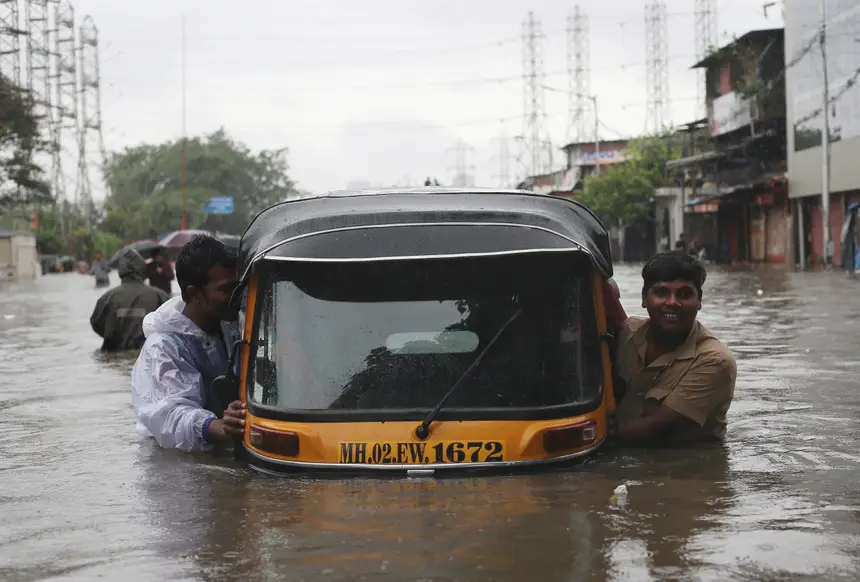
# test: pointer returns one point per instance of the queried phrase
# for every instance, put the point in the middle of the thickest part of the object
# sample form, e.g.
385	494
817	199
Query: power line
836	96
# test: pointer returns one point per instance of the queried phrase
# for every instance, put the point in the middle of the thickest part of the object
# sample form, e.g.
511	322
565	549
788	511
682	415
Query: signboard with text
219	205
604	157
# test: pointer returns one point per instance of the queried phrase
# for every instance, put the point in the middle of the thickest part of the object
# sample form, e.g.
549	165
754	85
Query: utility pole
825	141
706	39
533	83
462	172
184	135
657	65
596	138
578	74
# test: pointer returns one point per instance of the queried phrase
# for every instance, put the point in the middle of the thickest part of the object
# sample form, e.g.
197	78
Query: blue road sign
220	205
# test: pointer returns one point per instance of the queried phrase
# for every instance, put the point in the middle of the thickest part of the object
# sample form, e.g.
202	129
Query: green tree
623	192
146	185
20	179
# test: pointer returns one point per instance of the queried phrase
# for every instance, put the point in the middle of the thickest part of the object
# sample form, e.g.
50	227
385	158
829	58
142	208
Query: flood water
82	497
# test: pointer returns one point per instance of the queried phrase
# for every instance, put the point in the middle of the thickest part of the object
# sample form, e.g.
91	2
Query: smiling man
678	379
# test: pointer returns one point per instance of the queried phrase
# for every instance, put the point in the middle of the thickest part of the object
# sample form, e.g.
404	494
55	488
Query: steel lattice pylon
533	92
10	41
657	66
67	120
579	75
706	40
90	112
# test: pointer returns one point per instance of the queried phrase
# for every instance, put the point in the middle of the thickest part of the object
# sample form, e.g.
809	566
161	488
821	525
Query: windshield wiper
423	429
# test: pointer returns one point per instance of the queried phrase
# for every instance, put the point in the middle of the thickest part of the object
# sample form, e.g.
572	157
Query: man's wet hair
673	266
196	258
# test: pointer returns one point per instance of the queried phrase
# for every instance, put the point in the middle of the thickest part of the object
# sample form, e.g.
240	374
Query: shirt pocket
668	380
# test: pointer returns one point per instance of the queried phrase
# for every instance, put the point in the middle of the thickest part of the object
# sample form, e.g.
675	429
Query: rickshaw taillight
570	437
274	441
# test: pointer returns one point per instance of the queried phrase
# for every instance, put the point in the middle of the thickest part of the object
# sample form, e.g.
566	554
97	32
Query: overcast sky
379	90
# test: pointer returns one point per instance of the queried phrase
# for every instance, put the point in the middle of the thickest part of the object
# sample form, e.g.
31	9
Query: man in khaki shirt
678	379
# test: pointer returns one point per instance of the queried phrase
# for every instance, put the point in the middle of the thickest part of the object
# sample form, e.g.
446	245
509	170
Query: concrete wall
18	258
804	167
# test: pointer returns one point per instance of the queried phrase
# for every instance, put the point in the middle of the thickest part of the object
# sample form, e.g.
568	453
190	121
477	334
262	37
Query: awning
698	158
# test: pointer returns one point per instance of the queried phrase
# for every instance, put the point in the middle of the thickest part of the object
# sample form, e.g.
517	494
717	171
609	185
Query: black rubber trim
418	414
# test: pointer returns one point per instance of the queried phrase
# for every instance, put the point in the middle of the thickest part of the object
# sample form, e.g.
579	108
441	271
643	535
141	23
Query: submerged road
82	497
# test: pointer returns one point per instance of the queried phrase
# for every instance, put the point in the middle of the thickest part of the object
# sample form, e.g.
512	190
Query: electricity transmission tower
463	173
657	66
67	119
10	43
90	133
578	74
503	158
533	92
39	86
706	39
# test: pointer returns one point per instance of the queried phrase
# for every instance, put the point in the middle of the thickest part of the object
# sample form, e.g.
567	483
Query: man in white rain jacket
188	343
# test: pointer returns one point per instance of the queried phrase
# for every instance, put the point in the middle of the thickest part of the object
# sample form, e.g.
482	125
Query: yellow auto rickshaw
423	331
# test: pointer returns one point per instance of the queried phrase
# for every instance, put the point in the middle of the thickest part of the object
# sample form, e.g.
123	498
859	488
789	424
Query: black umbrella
144	247
231	240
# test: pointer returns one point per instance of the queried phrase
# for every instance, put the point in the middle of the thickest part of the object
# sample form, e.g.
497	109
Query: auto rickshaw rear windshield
396	335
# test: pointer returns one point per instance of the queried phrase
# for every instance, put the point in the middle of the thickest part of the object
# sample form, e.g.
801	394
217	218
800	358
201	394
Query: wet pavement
82	497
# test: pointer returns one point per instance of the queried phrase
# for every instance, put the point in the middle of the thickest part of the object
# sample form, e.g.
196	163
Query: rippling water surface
82	497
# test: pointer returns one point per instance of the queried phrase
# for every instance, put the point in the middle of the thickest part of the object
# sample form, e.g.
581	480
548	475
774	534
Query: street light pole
596	138
825	142
184	179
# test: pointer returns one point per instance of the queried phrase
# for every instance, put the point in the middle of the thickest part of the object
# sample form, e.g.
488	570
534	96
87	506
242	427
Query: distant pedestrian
100	270
159	272
118	315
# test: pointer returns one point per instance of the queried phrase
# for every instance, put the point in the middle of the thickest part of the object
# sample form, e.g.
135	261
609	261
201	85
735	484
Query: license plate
420	453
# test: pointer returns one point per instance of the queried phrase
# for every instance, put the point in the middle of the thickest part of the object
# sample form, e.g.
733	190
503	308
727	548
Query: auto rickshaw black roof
422	223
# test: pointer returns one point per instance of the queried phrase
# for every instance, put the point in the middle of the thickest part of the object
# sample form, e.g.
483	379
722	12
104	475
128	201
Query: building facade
805	111
732	184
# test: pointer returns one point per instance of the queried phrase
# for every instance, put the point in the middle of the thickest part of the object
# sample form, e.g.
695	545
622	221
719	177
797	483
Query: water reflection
83	497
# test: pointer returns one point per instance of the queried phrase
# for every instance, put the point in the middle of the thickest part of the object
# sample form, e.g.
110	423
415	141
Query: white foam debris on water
619	496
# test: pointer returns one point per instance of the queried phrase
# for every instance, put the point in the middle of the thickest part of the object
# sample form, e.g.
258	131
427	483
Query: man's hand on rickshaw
233	423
